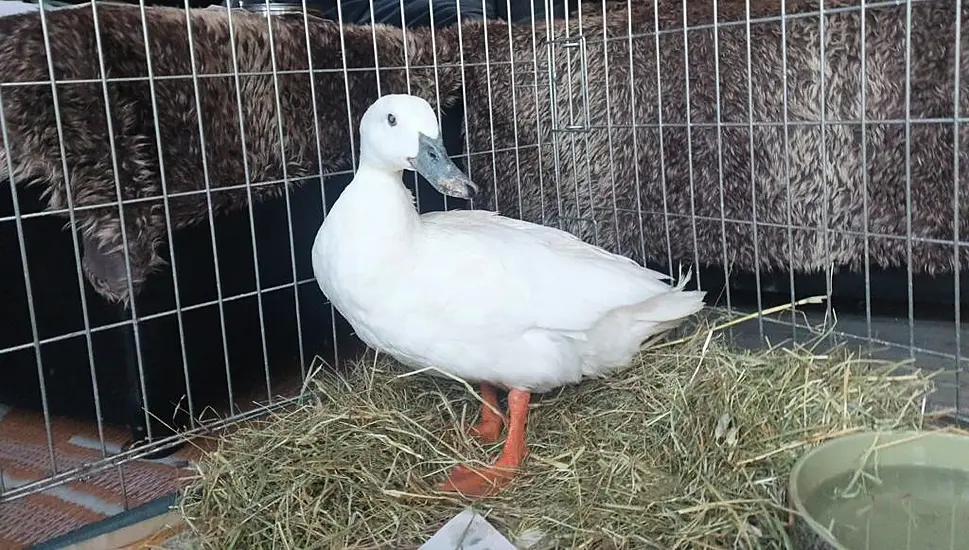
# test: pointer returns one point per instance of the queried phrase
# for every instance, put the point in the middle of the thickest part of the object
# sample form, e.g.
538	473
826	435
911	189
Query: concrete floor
933	335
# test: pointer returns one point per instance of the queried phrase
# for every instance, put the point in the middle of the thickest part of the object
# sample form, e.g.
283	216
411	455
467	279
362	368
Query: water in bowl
897	508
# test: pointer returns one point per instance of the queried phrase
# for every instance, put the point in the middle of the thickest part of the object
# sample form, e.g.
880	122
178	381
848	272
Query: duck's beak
433	163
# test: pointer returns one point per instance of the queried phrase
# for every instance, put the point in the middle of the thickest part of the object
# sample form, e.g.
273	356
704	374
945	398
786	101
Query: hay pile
689	448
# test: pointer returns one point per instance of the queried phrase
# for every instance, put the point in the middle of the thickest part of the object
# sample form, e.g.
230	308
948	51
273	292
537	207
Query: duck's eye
392	120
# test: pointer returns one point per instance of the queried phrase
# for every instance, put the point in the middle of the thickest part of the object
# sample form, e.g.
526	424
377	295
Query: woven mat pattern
25	457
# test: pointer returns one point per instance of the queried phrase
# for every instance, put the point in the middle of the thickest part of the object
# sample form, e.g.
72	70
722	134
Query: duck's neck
376	211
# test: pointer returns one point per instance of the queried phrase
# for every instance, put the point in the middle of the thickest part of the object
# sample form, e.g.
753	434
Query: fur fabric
688	191
279	141
680	189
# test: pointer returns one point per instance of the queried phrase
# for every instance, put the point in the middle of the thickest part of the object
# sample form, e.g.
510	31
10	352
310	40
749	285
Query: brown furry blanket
686	197
809	177
292	145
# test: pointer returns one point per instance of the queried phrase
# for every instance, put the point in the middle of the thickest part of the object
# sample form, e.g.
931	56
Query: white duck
493	300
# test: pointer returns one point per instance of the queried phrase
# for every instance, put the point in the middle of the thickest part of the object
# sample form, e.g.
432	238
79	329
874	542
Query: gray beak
433	163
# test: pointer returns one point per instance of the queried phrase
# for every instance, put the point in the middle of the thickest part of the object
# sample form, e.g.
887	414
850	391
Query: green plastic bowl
915	495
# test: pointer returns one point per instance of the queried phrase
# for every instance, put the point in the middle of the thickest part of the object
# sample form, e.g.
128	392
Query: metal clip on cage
573	46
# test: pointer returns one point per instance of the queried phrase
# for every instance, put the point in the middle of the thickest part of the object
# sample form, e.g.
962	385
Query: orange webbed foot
479	482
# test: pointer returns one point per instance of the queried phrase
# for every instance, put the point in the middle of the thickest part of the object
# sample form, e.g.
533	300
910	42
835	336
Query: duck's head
401	132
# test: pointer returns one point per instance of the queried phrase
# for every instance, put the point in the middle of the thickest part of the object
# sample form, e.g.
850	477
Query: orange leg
488	428
489	480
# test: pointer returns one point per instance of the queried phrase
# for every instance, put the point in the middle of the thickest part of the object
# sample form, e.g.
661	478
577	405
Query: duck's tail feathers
684	278
667	310
620	333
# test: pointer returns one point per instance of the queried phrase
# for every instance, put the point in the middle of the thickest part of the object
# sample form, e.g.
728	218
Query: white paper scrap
468	531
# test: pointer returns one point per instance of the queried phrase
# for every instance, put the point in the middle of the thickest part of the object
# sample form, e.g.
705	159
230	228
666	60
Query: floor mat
25	457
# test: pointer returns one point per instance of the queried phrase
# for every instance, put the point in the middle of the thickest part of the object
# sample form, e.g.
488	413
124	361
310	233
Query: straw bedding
688	448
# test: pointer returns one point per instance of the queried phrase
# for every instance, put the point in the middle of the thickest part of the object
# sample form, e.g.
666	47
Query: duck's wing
498	269
485	222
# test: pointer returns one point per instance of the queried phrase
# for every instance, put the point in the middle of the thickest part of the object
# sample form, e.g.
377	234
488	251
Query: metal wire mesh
582	132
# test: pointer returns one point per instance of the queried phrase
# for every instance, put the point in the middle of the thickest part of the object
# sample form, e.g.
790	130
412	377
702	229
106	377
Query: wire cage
166	166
